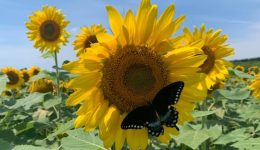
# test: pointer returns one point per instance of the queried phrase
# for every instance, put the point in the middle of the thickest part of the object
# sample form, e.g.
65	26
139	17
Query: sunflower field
139	86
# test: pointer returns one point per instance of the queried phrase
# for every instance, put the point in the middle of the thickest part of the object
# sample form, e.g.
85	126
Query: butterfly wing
141	117
169	94
171	118
164	99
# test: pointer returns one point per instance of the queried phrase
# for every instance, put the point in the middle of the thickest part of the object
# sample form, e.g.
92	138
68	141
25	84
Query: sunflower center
139	78
132	77
26	77
91	39
13	78
50	30
209	62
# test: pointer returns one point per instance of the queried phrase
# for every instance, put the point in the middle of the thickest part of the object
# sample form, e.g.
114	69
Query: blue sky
239	19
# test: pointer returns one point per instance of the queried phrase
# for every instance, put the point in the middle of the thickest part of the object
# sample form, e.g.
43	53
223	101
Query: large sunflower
47	29
255	86
86	37
15	77
125	70
215	66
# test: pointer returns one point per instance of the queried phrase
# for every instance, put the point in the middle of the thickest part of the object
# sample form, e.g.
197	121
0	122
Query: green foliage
3	81
79	140
229	119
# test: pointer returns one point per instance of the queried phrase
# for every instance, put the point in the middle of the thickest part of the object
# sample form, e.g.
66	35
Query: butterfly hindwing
171	118
138	118
141	117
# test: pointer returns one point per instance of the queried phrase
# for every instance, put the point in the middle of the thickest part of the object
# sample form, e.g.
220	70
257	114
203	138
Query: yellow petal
140	142
166	18
115	20
107	41
96	116
130	25
108	123
77	97
86	81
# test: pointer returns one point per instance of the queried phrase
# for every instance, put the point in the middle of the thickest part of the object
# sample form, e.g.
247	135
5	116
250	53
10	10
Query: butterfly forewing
169	94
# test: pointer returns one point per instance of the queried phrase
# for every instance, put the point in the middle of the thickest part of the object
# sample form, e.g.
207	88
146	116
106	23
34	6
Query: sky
239	19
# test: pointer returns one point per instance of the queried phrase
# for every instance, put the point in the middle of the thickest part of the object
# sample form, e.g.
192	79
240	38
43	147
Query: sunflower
240	68
254	69
87	37
41	86
47	29
34	71
26	75
255	86
215	66
6	93
125	70
15	78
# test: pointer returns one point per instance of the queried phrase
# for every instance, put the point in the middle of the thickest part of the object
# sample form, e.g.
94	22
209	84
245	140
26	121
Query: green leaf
5	145
51	102
48	55
62	128
42	74
79	140
198	113
220	112
241	74
3	81
192	138
233	136
235	94
214	132
29	101
249	144
29	147
24	126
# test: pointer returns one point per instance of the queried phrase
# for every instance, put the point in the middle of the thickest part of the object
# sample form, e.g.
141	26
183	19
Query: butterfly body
160	112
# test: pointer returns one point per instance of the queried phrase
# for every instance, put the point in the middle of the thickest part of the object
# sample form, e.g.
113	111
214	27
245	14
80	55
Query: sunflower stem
57	74
204	124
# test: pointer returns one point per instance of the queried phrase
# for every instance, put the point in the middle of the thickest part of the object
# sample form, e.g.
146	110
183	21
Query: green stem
204	124
57	74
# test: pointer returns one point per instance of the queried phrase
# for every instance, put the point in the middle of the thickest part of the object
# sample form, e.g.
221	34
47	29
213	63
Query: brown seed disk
209	62
13	78
132	77
50	31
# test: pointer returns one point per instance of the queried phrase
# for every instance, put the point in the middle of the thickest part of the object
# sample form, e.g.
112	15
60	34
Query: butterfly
160	112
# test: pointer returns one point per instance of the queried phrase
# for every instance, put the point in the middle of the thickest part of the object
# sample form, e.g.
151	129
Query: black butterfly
158	113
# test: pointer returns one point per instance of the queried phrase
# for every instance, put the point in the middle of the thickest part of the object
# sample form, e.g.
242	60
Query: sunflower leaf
3	81
241	74
62	128
192	137
29	147
79	140
197	114
235	94
249	144
5	145
233	136
29	101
